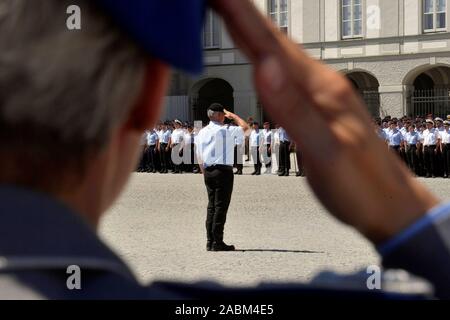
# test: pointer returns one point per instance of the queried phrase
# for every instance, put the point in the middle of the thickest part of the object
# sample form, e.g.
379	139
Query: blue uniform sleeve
433	216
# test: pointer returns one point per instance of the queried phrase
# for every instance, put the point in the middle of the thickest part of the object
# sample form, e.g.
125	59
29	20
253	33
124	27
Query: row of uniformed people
174	138
160	143
263	145
424	147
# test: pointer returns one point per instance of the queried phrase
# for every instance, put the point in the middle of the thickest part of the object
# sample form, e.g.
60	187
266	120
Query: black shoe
221	246
286	174
281	174
209	246
258	173
254	173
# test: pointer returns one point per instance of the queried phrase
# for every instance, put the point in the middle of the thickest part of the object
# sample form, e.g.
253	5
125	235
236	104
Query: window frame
213	18
435	16
352	34
277	13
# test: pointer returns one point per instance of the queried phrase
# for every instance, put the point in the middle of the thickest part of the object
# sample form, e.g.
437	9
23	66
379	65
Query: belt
430	146
219	166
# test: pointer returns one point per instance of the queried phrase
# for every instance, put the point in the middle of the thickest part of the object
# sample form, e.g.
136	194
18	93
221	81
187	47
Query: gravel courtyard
281	231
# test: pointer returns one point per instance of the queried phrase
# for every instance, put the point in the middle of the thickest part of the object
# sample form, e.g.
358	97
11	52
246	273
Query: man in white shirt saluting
215	152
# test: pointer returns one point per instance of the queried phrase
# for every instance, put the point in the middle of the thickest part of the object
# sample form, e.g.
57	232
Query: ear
148	107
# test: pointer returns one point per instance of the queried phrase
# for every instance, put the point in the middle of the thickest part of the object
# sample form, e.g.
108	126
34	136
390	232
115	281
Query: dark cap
216	107
169	30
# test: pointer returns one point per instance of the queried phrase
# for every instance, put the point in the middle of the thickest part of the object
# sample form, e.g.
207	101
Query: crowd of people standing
170	147
422	143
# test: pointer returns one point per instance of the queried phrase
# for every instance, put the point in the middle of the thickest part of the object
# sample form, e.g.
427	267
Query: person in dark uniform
412	145
285	153
163	148
152	142
215	152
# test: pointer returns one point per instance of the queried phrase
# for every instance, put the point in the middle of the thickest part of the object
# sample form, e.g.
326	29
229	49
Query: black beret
216	107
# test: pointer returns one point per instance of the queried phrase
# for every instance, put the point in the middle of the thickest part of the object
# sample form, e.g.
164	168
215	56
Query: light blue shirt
165	136
215	144
152	138
395	138
256	138
412	138
283	135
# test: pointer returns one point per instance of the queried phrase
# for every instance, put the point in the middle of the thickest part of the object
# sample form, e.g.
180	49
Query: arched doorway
367	86
429	91
209	91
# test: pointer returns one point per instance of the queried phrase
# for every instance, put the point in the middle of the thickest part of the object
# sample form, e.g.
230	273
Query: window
434	15
352	19
211	31
278	11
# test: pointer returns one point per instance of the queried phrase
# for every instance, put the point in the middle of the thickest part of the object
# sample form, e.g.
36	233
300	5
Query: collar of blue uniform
39	232
167	29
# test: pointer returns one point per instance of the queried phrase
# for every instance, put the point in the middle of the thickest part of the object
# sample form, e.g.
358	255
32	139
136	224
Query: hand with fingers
349	167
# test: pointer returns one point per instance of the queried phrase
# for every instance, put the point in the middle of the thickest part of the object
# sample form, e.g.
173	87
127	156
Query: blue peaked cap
167	29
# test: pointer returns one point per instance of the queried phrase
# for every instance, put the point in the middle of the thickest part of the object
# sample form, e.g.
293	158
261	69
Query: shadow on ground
279	250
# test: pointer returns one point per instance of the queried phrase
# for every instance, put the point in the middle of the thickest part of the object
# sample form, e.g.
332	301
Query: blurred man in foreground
74	106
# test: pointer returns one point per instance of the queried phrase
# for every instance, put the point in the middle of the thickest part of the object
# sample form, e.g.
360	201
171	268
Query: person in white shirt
395	139
215	152
189	158
276	150
152	141
445	148
439	156
239	148
412	144
431	143
176	147
267	147
256	140
163	147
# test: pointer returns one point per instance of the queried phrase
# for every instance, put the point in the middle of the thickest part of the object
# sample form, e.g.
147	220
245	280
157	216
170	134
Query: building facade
396	53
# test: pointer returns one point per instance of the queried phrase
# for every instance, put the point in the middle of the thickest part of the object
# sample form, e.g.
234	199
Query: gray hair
211	114
72	86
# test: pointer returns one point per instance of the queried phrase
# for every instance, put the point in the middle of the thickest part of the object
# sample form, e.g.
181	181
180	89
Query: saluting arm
240	122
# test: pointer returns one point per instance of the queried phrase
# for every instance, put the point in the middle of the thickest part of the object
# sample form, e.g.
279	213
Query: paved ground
158	228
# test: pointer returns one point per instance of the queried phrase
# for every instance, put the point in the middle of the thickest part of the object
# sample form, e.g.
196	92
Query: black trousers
256	157
397	150
430	160
219	184
164	155
151	155
446	156
285	159
412	158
